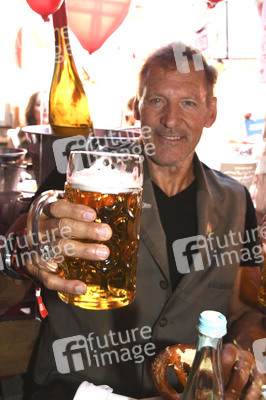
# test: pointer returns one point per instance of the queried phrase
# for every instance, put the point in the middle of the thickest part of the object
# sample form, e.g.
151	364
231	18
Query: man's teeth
172	137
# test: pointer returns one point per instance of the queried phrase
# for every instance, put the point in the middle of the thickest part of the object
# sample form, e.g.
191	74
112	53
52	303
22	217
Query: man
190	206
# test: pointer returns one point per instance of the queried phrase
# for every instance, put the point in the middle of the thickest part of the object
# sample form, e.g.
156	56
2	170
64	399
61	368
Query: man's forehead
158	73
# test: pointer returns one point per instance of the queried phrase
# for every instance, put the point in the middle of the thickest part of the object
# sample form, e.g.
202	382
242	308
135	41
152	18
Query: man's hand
240	374
79	222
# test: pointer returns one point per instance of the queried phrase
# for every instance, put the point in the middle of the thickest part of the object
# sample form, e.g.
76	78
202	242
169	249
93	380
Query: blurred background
230	34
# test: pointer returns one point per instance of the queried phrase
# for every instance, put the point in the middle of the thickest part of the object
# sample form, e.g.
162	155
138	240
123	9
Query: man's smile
173	138
170	137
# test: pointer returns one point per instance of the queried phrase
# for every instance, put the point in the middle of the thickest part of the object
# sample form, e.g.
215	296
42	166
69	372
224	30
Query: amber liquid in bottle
69	113
262	289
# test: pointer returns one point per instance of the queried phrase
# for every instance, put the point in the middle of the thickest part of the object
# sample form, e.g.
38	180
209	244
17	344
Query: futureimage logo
117	142
76	352
181	59
71	353
62	148
186	252
48	241
190	252
259	350
59	56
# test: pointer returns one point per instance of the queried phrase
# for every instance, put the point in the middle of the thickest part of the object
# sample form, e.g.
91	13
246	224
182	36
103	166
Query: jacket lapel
152	233
208	218
208	214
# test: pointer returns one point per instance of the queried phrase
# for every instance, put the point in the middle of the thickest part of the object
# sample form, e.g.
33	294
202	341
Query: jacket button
163	284
163	322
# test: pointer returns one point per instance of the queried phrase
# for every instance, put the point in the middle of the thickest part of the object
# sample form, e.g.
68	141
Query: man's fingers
49	266
62	208
61	248
88	251
67	228
55	282
229	357
253	390
57	230
240	374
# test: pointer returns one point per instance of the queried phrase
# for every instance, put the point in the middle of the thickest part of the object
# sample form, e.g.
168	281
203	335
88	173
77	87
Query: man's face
174	106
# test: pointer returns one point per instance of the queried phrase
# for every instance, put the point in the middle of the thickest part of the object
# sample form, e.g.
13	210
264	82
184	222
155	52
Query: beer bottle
205	377
69	113
262	289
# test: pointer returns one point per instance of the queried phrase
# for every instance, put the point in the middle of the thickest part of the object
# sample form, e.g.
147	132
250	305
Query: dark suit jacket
106	347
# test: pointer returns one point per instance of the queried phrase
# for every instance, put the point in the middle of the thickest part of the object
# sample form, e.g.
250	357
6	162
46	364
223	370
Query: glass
205	377
111	183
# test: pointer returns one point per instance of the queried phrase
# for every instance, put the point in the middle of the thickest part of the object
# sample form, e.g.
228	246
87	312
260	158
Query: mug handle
180	357
36	242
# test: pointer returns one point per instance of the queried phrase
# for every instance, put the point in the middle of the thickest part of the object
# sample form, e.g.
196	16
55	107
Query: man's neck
172	179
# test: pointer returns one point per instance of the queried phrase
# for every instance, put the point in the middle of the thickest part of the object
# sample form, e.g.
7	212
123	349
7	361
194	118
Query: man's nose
171	116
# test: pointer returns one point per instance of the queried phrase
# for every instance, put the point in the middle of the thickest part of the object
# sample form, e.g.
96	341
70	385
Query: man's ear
136	109
212	113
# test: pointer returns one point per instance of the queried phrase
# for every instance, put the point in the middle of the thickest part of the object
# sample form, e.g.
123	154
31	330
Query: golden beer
110	283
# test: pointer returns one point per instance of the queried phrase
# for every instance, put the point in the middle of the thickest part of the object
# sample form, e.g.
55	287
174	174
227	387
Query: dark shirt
178	216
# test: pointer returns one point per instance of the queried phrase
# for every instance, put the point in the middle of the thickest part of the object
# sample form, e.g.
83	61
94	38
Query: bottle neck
60	17
62	44
207	341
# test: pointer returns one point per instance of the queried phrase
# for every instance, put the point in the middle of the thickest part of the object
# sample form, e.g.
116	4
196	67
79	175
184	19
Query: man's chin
162	162
166	160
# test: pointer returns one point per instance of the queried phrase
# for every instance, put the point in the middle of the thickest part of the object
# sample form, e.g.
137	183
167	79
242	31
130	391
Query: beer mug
111	184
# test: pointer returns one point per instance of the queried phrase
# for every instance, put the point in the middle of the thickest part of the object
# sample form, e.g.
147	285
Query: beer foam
104	179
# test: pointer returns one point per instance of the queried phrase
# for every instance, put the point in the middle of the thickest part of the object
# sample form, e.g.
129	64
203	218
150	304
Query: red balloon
45	8
93	21
212	3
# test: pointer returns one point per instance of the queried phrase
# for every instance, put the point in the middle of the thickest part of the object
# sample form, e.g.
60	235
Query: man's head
175	100
176	57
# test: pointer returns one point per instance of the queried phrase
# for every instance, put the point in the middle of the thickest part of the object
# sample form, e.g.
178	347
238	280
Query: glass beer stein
111	184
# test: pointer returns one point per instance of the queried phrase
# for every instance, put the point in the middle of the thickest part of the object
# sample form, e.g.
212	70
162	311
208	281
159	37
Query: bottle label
207	341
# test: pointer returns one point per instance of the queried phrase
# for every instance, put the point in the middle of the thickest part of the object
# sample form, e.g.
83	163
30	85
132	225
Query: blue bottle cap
212	323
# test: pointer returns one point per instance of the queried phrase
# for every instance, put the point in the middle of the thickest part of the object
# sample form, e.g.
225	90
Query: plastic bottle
205	377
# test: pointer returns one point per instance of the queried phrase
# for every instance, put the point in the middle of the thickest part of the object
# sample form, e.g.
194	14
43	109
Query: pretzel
180	357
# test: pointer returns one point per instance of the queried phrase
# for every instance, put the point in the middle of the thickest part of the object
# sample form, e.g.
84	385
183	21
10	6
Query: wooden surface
17	339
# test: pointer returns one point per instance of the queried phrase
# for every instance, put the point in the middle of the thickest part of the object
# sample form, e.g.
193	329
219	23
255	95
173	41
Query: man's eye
155	100
189	103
